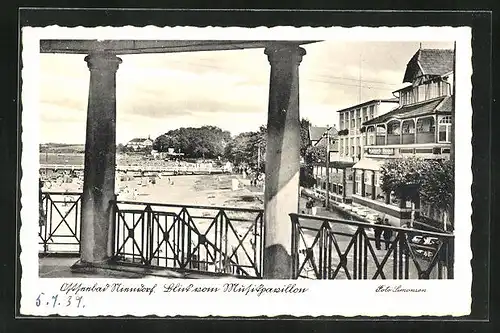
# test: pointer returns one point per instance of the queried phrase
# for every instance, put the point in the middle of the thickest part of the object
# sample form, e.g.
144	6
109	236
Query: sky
229	89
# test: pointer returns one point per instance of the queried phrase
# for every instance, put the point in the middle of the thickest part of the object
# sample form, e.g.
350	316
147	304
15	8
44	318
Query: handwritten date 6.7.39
56	300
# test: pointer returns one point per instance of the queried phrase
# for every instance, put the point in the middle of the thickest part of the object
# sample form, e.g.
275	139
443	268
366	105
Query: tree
398	173
120	148
205	141
244	148
305	140
315	154
438	182
435	179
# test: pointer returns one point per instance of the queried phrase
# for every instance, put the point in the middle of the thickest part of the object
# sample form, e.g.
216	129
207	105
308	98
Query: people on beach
387	234
378	233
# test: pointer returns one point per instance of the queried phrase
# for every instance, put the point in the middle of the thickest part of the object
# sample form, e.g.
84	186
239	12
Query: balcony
380	140
427	137
393	139
408	138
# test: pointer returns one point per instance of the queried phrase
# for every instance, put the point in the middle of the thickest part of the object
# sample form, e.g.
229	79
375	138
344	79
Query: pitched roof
138	140
431	62
316	132
446	106
440	104
373	101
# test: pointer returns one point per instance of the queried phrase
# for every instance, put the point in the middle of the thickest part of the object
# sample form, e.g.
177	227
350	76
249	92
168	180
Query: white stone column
100	159
281	196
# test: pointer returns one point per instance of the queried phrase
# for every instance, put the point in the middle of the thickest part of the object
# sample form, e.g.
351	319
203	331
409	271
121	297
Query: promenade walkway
60	267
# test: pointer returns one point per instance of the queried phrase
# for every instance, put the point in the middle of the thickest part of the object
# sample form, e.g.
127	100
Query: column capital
103	61
285	54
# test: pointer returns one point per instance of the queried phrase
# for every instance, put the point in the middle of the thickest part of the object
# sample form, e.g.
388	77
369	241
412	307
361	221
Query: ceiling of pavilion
154	46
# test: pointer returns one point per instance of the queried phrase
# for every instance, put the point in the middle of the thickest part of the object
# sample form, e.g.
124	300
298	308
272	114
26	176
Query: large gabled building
140	143
420	126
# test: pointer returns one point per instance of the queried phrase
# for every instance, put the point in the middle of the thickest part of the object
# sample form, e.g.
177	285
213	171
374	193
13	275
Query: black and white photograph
243	160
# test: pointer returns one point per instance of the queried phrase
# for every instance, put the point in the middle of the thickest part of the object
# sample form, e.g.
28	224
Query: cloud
229	89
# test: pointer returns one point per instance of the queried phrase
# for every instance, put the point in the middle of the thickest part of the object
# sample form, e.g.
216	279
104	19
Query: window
380	130
341	121
435	89
445	88
341	146
353	123
393	127
365	114
408	127
353	152
425	125
358	113
409	96
421	92
368	178
371	135
372	111
444	128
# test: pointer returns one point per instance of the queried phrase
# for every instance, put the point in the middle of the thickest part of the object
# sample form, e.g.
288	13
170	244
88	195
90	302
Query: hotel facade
419	127
348	148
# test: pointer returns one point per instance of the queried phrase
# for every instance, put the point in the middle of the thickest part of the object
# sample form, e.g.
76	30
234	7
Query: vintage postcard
186	171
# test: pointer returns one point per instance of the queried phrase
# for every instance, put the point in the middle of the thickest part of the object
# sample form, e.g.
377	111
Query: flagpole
327	202
452	148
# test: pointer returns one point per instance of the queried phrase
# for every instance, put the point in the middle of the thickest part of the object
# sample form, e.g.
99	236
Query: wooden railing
61	232
227	240
324	248
187	237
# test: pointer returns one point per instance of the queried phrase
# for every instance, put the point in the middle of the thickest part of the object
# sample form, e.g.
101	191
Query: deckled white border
324	298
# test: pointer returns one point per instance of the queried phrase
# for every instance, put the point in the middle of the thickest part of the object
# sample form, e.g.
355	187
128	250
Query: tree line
242	149
245	149
202	142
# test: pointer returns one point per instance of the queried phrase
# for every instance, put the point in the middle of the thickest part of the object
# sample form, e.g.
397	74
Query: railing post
112	231
47	222
450	262
295	245
149	236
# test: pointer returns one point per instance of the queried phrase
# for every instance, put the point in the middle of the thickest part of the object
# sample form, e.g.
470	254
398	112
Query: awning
341	164
368	164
